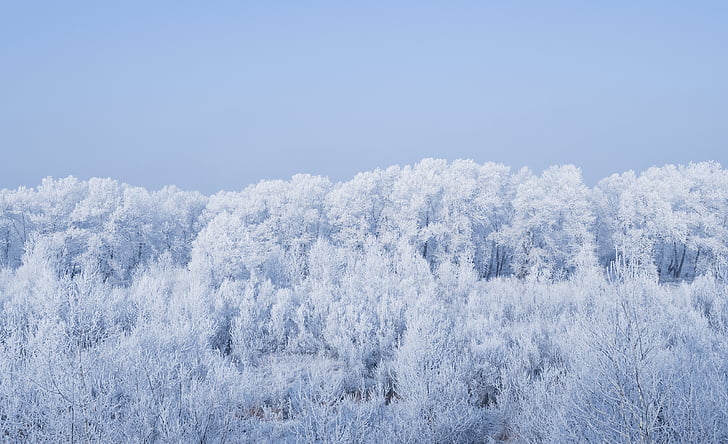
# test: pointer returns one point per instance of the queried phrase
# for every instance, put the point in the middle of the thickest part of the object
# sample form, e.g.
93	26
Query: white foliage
440	302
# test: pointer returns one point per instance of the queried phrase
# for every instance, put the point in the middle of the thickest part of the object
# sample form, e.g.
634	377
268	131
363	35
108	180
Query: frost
439	302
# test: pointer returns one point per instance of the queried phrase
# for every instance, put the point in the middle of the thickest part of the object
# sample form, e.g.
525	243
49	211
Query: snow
439	302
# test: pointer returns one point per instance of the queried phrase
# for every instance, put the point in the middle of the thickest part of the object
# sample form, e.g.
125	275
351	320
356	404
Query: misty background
218	96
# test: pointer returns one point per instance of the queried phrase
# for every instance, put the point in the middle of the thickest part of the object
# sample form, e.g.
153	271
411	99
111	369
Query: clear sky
218	95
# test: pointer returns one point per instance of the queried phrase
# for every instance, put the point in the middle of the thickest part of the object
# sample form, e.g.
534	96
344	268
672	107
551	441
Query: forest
438	302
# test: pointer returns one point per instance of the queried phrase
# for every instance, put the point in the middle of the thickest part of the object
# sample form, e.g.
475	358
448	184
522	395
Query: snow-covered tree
551	233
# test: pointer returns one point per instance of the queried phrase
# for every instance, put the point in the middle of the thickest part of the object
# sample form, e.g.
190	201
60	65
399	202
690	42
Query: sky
220	95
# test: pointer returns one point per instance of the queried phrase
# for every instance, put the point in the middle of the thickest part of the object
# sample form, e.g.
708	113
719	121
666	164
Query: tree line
670	221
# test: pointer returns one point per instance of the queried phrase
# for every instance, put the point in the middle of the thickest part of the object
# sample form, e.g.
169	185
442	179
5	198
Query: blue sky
218	95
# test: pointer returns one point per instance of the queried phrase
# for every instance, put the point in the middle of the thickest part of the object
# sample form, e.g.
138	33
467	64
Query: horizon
511	168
